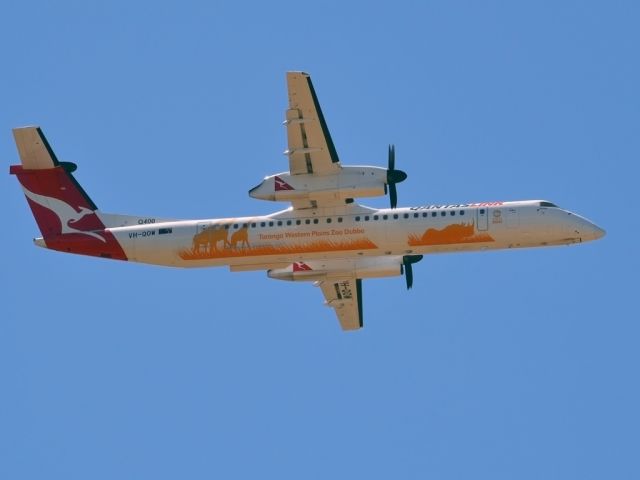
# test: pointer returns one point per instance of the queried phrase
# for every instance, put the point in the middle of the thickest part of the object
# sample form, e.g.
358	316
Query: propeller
407	268
394	176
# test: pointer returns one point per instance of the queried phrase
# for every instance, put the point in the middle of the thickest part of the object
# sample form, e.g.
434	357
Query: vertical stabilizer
63	211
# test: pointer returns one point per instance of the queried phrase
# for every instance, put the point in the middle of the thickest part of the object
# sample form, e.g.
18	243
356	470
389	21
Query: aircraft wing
310	148
344	295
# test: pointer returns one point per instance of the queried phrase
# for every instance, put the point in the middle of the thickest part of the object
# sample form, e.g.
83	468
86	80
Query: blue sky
518	364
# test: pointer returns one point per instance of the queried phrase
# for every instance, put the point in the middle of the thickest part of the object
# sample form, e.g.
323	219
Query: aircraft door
482	219
512	218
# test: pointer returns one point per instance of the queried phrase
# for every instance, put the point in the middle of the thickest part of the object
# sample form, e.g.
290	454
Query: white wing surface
310	148
344	295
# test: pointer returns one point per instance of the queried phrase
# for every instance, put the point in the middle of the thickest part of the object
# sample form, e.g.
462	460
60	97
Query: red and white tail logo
58	207
65	214
282	185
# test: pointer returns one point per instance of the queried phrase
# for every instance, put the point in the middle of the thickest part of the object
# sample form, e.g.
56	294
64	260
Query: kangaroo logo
281	184
301	267
65	212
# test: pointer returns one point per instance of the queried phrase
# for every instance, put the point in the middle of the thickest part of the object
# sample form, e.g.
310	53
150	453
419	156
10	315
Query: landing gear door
482	219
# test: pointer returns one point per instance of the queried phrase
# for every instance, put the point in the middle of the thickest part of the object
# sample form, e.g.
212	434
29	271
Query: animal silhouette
453	233
65	212
241	236
209	238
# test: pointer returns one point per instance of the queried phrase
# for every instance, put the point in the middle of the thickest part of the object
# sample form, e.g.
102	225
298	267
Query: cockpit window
548	204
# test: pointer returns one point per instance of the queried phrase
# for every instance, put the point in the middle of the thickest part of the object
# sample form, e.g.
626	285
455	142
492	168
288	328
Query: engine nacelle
348	182
318	270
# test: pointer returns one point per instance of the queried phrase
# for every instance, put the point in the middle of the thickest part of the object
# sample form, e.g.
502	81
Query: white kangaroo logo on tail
65	212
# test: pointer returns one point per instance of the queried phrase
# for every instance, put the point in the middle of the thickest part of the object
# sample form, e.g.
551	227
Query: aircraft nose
583	229
592	232
598	232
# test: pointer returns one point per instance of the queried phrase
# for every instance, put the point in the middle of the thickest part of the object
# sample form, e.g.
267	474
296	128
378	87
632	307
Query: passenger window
271	224
226	227
366	218
406	215
279	223
384	217
253	225
434	214
443	214
235	225
461	212
357	218
298	222
416	215
395	216
262	224
339	219
425	214
482	211
288	222
307	221
452	213
315	220
375	217
328	220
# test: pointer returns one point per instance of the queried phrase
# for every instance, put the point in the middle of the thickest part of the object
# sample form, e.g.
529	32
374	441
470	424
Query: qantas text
460	205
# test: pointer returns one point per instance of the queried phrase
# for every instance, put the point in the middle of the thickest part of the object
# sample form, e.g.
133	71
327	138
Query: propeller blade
407	268
393	195
409	275
393	176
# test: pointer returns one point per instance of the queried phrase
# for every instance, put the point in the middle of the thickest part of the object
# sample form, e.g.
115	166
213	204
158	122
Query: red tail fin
65	214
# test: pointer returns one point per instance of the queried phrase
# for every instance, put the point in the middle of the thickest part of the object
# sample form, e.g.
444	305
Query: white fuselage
351	231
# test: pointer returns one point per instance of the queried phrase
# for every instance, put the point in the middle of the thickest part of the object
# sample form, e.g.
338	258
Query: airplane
324	237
